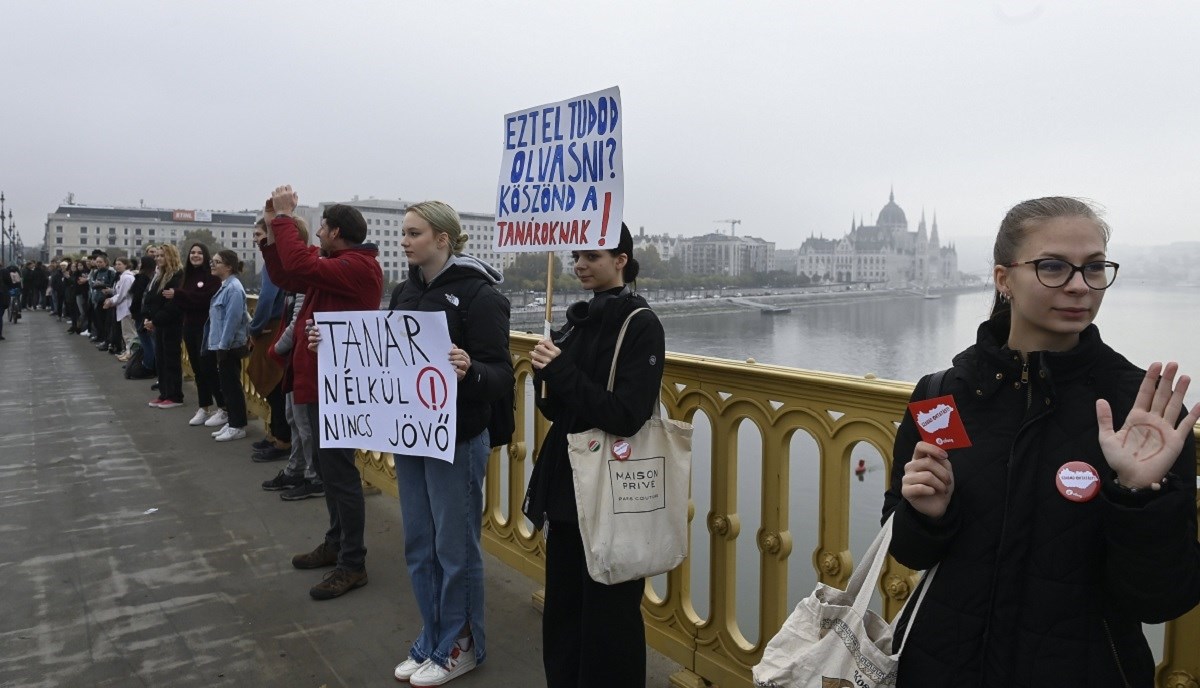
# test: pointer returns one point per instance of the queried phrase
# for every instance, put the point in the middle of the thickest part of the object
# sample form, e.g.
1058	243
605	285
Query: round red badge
621	450
1077	481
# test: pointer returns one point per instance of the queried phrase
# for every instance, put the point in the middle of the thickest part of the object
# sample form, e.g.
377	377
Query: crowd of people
1032	579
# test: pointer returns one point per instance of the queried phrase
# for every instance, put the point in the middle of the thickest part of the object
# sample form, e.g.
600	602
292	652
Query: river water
894	337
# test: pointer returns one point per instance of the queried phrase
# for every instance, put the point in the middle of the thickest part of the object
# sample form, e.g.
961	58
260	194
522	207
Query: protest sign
386	382
562	177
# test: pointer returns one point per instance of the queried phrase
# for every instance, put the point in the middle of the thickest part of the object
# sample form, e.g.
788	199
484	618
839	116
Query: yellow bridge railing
797	421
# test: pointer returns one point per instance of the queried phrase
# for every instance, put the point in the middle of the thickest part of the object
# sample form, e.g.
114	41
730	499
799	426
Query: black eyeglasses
214	261
1055	272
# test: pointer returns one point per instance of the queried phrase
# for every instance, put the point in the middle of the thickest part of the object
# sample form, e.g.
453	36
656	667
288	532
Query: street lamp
1	226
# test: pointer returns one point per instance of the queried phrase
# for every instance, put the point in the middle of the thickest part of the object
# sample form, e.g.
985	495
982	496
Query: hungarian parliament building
886	252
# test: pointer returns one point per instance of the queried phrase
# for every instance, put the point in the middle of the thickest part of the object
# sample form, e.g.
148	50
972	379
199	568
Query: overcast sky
790	116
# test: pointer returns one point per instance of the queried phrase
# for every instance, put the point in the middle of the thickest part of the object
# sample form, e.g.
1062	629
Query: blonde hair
171	266
444	220
301	228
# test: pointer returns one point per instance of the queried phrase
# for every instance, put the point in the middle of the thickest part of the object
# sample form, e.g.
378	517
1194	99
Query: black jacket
161	311
137	293
577	398
477	315
1033	589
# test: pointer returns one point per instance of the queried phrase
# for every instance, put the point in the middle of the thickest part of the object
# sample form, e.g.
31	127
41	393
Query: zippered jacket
1034	589
346	280
477	316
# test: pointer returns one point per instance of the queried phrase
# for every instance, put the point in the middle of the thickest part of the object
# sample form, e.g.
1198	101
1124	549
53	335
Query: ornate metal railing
804	422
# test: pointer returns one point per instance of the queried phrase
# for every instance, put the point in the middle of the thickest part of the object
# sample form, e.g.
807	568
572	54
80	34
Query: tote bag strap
612	371
926	583
862	581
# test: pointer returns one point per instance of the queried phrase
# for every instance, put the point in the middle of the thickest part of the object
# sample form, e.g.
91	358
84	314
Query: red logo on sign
939	423
621	450
431	389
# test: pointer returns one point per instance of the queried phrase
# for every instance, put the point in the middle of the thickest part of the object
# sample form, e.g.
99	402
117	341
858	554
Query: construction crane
732	226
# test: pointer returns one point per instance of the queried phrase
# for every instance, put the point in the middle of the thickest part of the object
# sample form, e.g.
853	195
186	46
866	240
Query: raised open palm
1146	446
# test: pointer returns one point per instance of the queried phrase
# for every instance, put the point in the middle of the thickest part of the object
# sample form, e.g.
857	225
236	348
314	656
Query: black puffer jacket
465	291
577	397
1033	589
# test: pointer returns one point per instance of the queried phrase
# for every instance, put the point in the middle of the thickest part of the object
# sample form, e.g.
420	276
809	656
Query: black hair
350	223
146	266
625	245
188	269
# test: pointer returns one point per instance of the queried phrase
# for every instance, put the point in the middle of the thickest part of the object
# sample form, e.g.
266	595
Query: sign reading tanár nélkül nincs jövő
562	181
386	382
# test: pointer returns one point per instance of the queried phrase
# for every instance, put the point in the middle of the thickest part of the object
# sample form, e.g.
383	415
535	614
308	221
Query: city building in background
80	229
385	219
721	254
886	252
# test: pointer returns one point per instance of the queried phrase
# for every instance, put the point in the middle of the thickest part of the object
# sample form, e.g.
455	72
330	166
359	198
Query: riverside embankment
530	318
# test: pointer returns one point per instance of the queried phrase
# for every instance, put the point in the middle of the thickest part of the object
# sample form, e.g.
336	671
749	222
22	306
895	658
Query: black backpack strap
935	383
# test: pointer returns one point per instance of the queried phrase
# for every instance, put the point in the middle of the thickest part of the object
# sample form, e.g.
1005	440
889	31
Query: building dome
892	216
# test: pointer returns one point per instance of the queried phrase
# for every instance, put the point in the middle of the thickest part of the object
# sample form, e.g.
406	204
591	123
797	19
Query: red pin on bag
939	422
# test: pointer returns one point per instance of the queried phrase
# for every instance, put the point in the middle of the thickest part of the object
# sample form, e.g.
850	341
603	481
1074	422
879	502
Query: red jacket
348	280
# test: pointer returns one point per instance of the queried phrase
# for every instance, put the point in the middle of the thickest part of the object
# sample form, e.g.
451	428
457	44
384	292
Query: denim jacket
228	322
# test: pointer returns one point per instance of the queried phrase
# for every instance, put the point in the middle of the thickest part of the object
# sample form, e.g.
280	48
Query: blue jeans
442	507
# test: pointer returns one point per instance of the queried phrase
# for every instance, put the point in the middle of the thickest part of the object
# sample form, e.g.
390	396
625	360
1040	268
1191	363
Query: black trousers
592	634
343	498
279	427
229	373
168	347
204	369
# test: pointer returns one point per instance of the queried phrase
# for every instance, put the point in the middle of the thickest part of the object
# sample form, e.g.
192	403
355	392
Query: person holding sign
344	275
1070	519
441	537
592	633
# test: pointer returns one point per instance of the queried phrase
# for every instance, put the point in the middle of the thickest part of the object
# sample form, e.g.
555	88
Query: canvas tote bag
832	640
632	510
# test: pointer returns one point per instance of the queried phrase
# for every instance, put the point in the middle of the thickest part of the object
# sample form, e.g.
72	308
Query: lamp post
14	242
1	227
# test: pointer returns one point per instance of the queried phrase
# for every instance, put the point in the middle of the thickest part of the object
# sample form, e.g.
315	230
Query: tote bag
631	494
831	639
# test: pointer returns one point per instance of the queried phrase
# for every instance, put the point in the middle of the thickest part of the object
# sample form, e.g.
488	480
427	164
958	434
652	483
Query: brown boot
338	582
324	555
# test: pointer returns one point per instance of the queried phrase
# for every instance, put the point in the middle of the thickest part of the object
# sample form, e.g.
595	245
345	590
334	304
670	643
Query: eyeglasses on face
214	261
1055	272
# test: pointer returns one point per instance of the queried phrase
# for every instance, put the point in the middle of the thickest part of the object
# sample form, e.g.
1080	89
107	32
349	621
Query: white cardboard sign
385	382
562	178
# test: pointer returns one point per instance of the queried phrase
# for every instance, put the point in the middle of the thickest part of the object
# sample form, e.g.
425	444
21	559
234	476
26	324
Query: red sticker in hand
1077	481
621	450
939	423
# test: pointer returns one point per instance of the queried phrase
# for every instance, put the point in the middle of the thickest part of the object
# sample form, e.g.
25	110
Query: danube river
898	337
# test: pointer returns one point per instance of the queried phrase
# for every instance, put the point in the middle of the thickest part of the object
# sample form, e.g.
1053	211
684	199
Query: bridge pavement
135	551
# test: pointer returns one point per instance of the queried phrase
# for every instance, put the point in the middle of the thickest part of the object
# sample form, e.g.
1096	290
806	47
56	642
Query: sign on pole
385	382
562	176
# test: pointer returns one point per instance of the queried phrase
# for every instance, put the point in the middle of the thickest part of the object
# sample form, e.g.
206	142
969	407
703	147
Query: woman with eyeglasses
1071	519
225	334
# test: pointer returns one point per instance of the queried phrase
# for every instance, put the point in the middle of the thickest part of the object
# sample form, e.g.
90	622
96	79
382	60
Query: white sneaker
223	429
434	674
199	418
405	669
217	419
85	333
231	433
